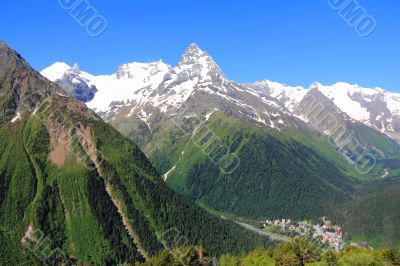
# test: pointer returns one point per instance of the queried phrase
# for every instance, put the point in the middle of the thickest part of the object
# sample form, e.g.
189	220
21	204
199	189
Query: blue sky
295	42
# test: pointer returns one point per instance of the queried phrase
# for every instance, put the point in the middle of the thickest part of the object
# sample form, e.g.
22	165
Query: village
324	233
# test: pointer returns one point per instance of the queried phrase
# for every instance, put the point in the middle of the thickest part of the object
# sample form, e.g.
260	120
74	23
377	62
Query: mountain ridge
374	107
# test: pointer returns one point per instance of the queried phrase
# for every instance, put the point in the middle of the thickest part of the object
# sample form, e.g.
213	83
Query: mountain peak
26	90
199	63
193	54
315	85
11	62
195	47
55	71
3	44
4	47
9	57
75	69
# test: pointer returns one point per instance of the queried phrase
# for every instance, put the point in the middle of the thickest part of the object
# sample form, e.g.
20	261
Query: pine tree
396	260
306	251
200	258
330	257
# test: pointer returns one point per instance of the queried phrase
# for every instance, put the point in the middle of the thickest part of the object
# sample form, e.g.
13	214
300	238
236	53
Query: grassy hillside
385	150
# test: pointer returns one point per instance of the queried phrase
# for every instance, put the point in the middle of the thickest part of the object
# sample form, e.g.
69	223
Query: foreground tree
285	255
259	256
182	256
297	252
330	258
229	260
396	260
356	256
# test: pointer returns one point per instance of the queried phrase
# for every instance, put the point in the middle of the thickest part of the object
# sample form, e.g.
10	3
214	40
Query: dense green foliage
277	176
374	214
83	214
165	210
385	150
297	252
144	230
50	216
111	224
282	174
17	190
71	206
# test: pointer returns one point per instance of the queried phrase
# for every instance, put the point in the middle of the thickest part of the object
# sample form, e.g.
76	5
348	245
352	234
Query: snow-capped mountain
152	89
289	96
75	85
118	88
156	104
373	107
157	89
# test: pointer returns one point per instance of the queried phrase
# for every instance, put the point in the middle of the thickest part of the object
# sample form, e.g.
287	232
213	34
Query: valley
260	150
219	144
209	133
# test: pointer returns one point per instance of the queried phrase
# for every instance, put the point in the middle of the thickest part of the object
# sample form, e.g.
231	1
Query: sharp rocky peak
198	62
193	54
75	69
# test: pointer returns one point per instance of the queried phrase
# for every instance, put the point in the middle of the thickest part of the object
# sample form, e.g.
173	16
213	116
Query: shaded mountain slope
374	215
275	176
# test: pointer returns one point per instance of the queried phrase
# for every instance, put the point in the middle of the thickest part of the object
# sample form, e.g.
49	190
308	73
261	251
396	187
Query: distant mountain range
164	87
293	152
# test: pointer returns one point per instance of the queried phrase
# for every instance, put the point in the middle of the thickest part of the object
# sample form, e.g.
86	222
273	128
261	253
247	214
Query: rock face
18	93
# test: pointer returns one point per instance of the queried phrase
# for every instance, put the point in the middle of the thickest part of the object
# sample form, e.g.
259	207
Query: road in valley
273	236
